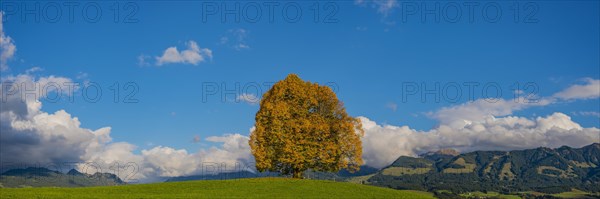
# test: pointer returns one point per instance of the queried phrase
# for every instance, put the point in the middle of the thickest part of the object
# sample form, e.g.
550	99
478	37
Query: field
242	188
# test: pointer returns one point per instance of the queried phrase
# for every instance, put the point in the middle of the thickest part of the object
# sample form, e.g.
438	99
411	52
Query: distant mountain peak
74	172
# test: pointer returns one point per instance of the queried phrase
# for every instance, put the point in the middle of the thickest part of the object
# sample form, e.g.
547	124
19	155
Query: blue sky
368	51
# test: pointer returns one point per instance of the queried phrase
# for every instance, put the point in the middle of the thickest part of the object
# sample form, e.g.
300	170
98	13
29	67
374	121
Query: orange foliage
302	125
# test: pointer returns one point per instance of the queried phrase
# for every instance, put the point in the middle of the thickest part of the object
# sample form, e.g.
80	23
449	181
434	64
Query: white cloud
24	126
7	46
165	161
483	124
31	136
248	98
384	144
162	161
192	55
590	90
26	88
233	155
235	149
463	114
105	154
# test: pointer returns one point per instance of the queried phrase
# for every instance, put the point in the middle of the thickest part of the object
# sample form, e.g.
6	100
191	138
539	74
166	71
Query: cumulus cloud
463	114
235	149
7	46
233	155
21	93
166	161
484	124
31	136
589	90
192	55
161	161
384	144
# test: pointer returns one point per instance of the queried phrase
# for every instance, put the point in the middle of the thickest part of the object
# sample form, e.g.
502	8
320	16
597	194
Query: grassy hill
239	188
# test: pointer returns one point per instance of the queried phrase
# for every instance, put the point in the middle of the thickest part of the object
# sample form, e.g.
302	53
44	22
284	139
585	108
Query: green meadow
239	188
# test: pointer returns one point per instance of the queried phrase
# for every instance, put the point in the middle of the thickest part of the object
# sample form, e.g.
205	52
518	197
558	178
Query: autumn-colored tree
302	125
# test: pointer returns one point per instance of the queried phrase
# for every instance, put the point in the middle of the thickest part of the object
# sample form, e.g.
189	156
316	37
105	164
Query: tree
302	125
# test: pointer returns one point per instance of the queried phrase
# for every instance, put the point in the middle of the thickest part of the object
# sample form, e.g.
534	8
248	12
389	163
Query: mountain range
540	169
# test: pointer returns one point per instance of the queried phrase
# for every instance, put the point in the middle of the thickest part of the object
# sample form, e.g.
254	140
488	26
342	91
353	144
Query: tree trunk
297	174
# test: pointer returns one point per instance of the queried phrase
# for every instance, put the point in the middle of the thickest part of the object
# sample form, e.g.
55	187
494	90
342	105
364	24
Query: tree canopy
302	125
